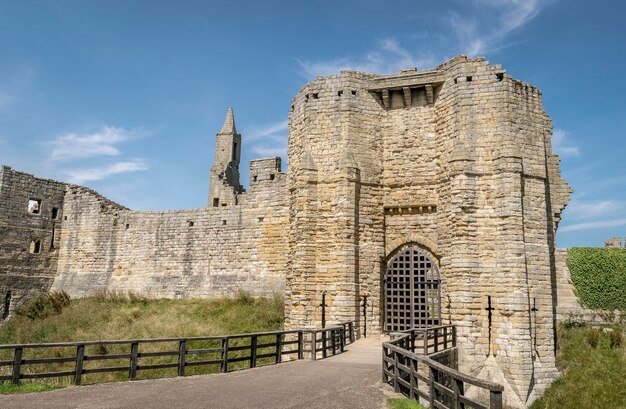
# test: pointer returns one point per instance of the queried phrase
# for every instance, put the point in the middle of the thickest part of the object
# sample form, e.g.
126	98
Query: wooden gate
412	291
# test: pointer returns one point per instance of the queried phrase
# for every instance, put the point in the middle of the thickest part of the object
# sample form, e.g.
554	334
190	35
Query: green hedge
599	275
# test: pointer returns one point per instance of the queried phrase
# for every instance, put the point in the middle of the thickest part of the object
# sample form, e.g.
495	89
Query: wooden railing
420	376
133	356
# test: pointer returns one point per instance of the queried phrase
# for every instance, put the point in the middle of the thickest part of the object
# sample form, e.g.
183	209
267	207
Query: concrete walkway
350	380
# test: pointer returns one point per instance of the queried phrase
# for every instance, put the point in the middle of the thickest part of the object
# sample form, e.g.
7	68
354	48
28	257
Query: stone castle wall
102	246
177	254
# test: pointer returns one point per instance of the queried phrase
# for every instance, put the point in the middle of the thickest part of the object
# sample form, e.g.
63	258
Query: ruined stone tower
224	184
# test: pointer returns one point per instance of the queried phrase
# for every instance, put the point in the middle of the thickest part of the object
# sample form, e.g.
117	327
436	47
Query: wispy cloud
586	209
72	146
593	225
479	36
387	56
562	145
269	139
82	175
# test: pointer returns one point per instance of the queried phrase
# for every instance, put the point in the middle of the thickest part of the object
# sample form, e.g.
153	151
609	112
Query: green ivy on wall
599	276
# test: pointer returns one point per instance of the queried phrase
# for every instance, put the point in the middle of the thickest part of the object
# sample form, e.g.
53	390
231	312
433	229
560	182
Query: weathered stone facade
454	162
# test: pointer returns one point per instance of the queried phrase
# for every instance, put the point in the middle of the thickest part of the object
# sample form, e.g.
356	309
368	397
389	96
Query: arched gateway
412	290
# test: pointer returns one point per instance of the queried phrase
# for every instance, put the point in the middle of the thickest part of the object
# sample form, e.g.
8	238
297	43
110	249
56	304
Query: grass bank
111	316
593	364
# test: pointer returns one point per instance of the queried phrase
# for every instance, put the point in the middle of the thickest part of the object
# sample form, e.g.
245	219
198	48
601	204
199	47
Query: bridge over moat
347	380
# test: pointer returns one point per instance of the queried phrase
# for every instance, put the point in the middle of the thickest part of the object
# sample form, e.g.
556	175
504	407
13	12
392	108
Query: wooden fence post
454	336
457	388
436	340
351	329
253	344
313	345
445	338
495	399
396	372
134	351
333	341
17	365
182	354
324	352
425	341
78	370
224	354
279	348
431	387
300	345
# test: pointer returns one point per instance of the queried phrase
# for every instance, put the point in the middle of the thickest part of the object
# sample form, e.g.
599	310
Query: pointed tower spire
229	122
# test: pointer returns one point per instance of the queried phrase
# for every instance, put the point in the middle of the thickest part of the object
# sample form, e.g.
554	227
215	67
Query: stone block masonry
418	198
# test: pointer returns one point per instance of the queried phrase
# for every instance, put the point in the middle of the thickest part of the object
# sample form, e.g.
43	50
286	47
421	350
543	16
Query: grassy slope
592	377
121	317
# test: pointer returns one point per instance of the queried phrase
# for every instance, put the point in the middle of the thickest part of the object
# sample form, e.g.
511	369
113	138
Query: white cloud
388	56
561	144
583	209
82	175
479	36
268	140
71	146
593	225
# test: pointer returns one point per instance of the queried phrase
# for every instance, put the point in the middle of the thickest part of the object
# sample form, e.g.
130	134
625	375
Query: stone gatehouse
418	198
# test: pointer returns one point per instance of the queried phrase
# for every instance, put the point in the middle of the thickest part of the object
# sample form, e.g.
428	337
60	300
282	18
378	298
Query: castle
418	198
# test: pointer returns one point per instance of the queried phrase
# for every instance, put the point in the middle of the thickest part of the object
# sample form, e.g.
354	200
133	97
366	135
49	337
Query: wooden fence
419	376
243	350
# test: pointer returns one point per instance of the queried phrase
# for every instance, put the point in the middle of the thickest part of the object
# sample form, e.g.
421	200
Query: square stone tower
424	198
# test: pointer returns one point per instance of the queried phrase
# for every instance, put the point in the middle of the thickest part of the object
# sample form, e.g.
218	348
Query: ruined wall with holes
456	160
30	230
90	244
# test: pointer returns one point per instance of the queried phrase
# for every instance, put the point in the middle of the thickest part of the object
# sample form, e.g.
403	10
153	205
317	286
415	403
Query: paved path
347	381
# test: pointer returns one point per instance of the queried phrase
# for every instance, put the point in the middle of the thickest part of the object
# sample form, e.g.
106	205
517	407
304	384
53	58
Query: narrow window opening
500	76
469	79
339	93
34	206
52	239
127	226
55	213
35	247
234	151
216	202
456	81
315	96
306	97
272	176
354	93
7	305
190	223
223	222
254	178
223	204
64	217
260	219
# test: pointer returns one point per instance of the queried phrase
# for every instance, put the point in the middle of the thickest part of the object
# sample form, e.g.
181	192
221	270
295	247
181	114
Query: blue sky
126	96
